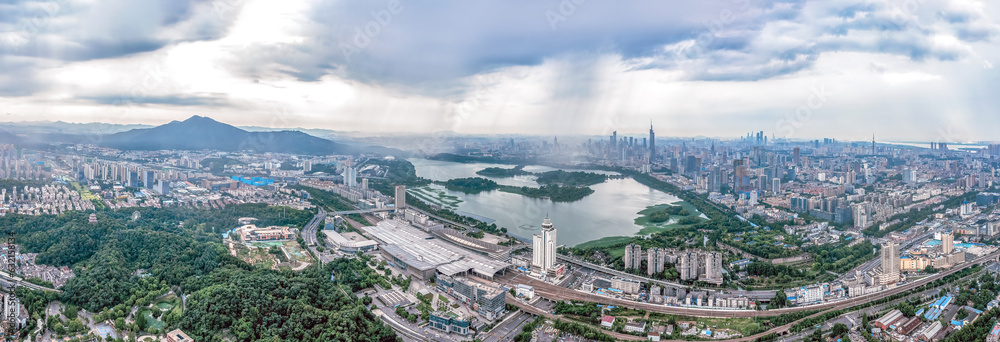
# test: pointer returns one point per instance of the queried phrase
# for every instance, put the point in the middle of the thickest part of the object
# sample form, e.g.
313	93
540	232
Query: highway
361	211
309	234
553	292
6	280
439	218
309	231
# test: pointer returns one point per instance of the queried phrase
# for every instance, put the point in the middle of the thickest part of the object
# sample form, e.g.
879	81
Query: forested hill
181	248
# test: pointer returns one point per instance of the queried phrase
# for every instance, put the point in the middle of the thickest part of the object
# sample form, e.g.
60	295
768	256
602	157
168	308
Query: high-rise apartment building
633	256
687	265
713	266
947	243
890	262
148	179
656	257
400	197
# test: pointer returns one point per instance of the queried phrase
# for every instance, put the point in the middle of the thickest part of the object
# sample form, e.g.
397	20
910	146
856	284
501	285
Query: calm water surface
609	211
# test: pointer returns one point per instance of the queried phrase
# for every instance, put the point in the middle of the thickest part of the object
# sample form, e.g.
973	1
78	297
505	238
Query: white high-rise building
633	256
947	243
544	247
400	197
350	177
890	263
655	259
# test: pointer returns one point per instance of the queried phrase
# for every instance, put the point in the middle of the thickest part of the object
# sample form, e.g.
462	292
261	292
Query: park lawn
150	321
164	305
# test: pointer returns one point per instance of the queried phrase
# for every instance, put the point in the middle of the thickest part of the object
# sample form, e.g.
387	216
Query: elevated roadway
7	280
361	211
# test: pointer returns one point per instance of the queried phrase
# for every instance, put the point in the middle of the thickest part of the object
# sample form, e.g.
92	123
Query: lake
609	211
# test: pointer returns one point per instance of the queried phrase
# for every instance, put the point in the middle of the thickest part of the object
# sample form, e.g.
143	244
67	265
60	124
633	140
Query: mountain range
201	133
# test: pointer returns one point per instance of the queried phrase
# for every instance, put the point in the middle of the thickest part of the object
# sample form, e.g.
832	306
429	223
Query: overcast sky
901	69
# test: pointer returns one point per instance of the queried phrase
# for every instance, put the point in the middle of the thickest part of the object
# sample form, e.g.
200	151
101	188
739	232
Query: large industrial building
351	243
422	255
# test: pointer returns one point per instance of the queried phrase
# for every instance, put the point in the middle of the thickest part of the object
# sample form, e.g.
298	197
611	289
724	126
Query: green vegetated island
558	186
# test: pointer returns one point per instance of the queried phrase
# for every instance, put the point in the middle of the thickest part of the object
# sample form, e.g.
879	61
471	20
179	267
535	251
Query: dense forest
555	192
571	179
473	185
499	172
181	249
267	305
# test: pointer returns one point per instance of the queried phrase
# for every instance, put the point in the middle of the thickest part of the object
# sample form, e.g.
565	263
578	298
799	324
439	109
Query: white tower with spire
544	245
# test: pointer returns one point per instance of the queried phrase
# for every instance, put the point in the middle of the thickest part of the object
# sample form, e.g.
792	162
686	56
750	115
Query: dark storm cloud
429	47
74	31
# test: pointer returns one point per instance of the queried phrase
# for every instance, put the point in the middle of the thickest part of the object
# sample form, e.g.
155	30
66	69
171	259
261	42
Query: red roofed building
608	322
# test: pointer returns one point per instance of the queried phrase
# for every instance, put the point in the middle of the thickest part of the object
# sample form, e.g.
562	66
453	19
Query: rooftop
422	251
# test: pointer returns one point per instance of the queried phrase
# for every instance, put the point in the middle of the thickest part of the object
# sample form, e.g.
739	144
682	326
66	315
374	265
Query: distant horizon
362	134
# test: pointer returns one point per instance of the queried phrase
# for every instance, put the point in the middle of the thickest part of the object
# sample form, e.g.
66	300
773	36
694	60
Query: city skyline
799	70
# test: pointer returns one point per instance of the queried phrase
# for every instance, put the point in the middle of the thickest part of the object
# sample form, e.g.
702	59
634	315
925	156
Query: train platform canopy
422	251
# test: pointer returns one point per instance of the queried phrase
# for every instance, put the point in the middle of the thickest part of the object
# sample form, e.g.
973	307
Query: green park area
654	219
662	217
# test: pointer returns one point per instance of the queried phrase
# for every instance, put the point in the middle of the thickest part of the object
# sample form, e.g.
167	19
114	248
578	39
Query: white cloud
718	69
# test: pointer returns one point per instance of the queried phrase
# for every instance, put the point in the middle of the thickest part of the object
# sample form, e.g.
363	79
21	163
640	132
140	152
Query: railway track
553	292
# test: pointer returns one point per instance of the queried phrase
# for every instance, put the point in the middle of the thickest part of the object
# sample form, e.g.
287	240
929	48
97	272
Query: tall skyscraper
147	179
544	247
796	156
890	262
739	174
633	256
400	197
947	243
133	179
652	144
